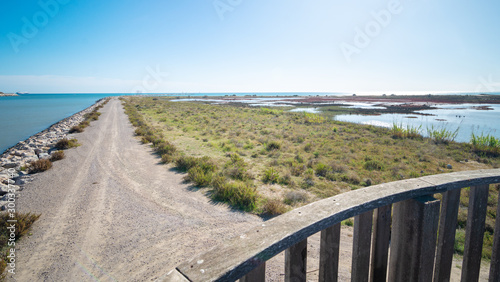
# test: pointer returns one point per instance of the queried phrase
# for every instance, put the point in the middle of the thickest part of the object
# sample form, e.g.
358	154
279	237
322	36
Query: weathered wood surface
474	232
361	241
446	240
296	262
239	255
256	275
380	243
173	276
414	234
495	256
329	254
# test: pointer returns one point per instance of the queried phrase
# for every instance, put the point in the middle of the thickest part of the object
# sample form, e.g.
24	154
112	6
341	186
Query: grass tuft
410	132
66	143
76	129
40	166
57	156
274	207
270	176
485	144
238	193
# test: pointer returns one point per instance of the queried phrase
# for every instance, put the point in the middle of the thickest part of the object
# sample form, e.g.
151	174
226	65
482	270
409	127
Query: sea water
27	114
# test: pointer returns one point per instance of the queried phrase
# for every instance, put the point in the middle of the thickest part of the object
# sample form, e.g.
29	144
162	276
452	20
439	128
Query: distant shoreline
8	94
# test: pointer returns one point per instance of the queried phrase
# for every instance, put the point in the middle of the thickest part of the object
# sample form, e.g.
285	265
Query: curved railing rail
417	254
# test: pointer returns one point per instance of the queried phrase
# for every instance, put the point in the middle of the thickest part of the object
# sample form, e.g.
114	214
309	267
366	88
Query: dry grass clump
23	223
274	207
66	143
296	196
40	166
56	156
76	129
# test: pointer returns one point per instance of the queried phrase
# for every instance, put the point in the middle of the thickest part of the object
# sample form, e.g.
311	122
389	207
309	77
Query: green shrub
348	222
285	180
40	166
165	148
56	156
442	135
199	177
76	128
373	165
66	144
84	124
411	132
270	176
297	169
184	163
322	169
166	159
273	145
238	194
235	168
485	144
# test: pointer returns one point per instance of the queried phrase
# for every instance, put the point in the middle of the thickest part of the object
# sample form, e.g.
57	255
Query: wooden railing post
329	254
413	243
256	275
380	245
474	232
495	256
446	240
296	262
360	270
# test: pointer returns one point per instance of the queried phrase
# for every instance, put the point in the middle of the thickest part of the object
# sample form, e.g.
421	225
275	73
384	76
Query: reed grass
398	130
485	144
442	135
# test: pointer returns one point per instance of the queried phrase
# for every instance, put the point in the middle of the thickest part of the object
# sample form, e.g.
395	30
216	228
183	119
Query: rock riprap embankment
38	146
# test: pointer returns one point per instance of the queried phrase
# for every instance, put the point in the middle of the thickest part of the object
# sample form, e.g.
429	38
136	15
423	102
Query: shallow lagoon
464	117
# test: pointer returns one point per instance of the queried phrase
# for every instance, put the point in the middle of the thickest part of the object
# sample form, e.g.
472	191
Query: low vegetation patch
238	193
22	224
442	134
40	166
57	156
274	207
66	143
76	129
485	145
400	131
305	156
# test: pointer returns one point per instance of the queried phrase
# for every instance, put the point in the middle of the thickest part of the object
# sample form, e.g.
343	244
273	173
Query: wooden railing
417	253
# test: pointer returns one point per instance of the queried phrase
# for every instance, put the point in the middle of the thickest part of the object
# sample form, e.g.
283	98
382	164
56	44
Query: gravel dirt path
111	212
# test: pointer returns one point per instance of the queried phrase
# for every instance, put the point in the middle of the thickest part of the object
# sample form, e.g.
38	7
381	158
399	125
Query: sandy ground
111	212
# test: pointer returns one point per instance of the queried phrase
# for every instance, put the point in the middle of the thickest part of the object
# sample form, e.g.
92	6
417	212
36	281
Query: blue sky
65	46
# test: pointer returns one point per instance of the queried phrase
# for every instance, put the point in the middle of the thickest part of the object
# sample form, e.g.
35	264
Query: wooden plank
256	275
495	257
446	241
239	255
329	254
296	262
414	234
380	243
474	232
360	270
173	276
